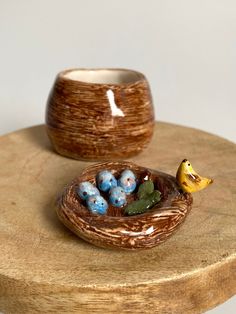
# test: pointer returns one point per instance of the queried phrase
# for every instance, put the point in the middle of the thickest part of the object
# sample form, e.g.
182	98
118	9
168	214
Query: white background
186	48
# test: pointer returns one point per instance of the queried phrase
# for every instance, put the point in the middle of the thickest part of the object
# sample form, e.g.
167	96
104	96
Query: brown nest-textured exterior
81	124
115	230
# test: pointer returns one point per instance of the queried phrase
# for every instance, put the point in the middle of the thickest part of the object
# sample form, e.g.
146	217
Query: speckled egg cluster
106	182
95	202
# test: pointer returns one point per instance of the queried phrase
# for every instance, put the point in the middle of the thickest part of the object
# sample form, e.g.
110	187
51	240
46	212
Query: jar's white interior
103	76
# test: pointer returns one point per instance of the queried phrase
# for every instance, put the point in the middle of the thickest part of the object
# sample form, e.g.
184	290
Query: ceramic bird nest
115	229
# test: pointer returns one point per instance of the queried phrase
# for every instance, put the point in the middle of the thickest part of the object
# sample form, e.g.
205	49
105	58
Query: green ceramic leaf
141	205
145	189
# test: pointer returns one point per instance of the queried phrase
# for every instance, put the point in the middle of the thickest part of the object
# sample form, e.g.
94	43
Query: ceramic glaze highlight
100	113
97	204
106	180
117	197
127	181
86	189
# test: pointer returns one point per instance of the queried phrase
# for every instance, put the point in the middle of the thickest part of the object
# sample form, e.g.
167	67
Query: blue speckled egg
86	189
97	204
127	181
117	196
106	180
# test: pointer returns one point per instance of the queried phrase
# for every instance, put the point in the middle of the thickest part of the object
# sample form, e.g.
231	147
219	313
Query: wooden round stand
45	268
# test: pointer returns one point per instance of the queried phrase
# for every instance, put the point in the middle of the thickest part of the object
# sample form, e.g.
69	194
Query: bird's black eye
128	179
110	180
85	193
188	164
94	202
101	181
116	201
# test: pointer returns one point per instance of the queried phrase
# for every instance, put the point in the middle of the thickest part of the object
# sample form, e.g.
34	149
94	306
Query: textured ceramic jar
100	113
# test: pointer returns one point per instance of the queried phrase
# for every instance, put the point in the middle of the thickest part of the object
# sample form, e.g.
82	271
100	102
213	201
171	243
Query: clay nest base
115	229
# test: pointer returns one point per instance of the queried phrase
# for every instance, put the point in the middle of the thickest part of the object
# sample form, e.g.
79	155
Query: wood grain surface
45	268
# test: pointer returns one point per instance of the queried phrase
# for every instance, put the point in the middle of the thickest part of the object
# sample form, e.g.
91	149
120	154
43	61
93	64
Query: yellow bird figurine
189	180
